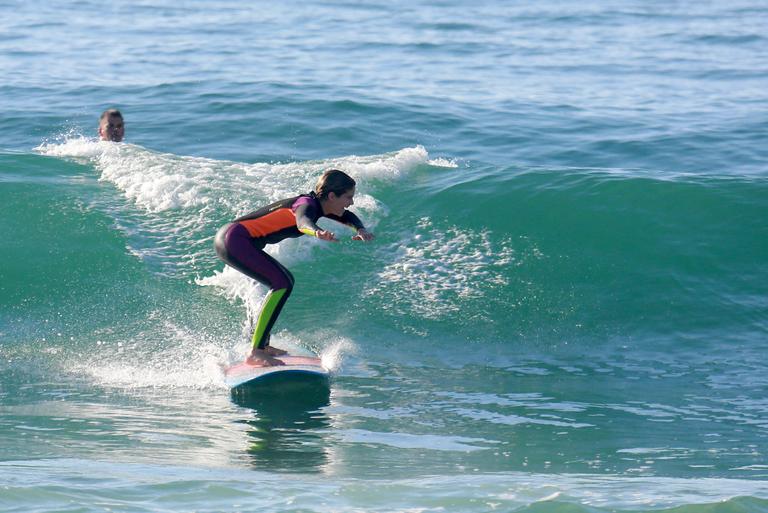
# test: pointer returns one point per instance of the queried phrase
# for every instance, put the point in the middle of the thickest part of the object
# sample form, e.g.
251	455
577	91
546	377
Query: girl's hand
363	234
326	235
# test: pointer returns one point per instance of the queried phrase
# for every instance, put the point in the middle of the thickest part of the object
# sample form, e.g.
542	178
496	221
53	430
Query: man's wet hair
110	113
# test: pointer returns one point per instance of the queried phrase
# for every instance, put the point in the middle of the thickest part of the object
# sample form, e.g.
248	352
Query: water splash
167	356
435	269
334	353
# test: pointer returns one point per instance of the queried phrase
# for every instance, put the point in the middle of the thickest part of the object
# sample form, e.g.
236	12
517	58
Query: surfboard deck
297	370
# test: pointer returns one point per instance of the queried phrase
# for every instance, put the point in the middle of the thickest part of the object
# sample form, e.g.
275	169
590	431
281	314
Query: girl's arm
304	214
350	219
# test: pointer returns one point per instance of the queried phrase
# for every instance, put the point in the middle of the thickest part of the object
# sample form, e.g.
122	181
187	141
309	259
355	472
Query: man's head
111	126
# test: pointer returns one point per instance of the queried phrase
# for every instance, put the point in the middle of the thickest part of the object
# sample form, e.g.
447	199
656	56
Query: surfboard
297	371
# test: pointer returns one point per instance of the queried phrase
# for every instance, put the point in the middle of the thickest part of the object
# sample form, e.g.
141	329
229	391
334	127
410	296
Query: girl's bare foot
273	351
260	358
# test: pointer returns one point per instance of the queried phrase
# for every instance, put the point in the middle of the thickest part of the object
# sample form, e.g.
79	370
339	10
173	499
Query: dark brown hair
333	181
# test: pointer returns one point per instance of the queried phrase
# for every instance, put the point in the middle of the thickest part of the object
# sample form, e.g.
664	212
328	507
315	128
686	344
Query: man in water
111	126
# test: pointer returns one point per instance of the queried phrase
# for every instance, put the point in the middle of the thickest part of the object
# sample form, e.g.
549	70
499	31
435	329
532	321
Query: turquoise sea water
565	308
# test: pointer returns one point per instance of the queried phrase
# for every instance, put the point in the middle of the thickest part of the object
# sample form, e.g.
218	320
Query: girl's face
337	204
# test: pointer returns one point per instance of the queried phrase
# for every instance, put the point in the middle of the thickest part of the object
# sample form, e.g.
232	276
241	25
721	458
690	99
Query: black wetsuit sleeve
306	215
349	219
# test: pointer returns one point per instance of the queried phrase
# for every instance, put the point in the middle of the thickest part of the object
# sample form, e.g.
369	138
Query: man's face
112	129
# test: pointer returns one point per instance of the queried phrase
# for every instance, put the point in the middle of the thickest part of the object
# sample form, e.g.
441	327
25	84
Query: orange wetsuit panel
275	221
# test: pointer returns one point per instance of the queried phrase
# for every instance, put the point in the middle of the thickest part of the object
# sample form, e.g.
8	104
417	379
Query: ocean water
565	308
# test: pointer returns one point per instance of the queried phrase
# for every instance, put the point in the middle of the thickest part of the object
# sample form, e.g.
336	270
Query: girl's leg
234	246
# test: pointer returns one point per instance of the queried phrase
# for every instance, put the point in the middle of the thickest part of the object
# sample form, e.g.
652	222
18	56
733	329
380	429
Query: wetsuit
241	245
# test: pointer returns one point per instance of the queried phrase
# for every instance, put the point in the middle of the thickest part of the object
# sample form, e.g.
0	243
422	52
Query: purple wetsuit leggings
238	249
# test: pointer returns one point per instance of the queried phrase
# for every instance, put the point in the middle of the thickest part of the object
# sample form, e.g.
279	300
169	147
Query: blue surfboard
297	371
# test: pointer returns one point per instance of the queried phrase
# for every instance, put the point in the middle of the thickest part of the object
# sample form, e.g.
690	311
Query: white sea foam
333	354
158	182
435	269
171	356
377	167
443	162
189	360
74	146
179	202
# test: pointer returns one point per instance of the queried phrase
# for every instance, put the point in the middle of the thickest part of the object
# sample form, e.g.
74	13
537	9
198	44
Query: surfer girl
241	245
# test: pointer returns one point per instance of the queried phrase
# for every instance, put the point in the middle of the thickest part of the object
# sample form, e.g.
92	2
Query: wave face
500	255
491	303
564	308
